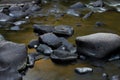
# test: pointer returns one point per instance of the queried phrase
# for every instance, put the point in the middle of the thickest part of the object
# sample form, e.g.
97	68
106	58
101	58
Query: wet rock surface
83	70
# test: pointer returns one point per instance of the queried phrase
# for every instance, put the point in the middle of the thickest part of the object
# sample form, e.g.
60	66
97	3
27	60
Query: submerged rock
17	14
63	30
115	77
18	23
98	3
86	16
77	5
2	38
83	70
15	28
98	24
41	29
46	50
62	56
50	39
73	12
98	45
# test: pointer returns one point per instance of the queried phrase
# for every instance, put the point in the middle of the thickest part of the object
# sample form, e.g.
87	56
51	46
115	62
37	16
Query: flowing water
45	69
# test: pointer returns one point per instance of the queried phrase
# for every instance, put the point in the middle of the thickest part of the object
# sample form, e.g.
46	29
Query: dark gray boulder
15	8
62	56
44	49
4	18
78	5
98	45
67	45
33	43
50	39
17	14
14	54
41	29
63	30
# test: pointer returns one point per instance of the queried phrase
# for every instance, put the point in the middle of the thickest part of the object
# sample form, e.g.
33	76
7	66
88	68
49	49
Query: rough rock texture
14	54
98	45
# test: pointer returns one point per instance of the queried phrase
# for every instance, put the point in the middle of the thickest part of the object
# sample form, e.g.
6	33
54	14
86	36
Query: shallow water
46	69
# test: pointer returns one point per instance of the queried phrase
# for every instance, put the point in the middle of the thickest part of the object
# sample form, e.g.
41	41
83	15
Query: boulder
14	54
63	30
67	45
115	77
62	56
83	70
15	8
50	39
41	29
33	43
78	5
4	18
17	14
98	45
18	23
46	50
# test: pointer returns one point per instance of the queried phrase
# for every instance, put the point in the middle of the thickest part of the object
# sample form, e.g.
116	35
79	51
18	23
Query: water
46	69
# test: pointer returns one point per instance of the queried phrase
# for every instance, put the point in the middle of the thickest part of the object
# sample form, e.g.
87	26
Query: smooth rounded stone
18	23
98	45
73	12
63	30
62	56
14	54
15	8
67	45
41	29
15	28
33	43
9	74
98	3
4	18
2	38
115	77
77	5
50	39
46	50
98	24
83	70
17	14
86	16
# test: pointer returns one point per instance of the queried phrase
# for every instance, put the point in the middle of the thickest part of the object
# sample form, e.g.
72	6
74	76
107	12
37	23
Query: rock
88	15
46	50
115	57
105	76
50	39
77	5
62	56
41	29
98	45
4	18
2	38
14	54
83	70
18	23
63	30
115	77
73	12
15	28
17	14
98	24
68	46
15	8
33	43
98	3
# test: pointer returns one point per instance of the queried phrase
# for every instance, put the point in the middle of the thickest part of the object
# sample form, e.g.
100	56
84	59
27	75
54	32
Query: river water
45	69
